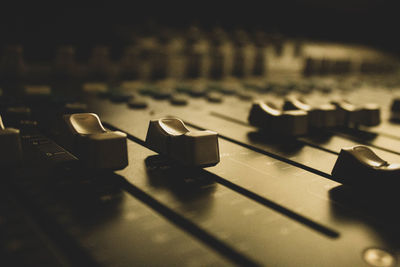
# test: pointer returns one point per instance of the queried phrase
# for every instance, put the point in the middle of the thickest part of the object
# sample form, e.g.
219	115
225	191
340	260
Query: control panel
201	148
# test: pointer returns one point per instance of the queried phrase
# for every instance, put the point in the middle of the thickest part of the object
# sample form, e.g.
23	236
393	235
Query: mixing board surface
97	170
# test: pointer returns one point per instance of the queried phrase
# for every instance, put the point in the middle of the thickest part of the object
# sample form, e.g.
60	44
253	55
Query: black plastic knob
97	147
64	63
240	40
100	66
193	66
289	123
350	115
65	72
217	58
259	65
322	116
395	110
129	64
360	166
170	137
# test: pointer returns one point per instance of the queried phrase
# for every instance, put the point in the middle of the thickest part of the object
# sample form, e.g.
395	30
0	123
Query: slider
10	146
360	166
348	114
371	114
170	137
395	110
94	145
351	115
268	117
322	116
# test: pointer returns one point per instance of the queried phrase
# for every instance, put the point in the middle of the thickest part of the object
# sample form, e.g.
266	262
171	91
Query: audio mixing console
201	149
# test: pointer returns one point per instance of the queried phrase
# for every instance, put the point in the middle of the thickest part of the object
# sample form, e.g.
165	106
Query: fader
169	136
359	166
97	147
267	116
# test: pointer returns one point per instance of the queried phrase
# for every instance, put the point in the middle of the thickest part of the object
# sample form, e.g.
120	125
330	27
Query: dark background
40	27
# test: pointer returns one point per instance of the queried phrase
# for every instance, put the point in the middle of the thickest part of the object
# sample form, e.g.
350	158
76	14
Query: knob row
102	149
298	117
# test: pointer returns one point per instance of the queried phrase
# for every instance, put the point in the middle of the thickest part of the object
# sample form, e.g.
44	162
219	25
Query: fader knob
129	63
360	166
289	123
327	66
342	66
217	62
240	41
10	146
259	54
217	53
194	53
351	115
97	147
371	114
348	114
259	62
65	72
159	62
170	137
100	64
194	57
64	64
322	116
311	66
395	109
277	43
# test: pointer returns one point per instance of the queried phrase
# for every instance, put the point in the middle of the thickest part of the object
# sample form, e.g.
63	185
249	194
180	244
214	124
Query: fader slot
77	200
222	204
220	146
296	153
235	168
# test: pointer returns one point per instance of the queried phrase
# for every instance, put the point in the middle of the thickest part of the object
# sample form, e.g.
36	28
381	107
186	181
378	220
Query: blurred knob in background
129	63
159	57
100	66
217	55
193	56
240	40
13	70
260	41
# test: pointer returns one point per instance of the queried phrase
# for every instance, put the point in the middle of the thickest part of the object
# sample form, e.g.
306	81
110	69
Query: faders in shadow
351	115
395	110
298	117
322	116
97	147
170	137
359	166
267	116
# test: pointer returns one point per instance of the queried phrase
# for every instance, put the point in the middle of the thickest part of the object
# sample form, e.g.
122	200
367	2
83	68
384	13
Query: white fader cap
170	137
10	146
97	147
